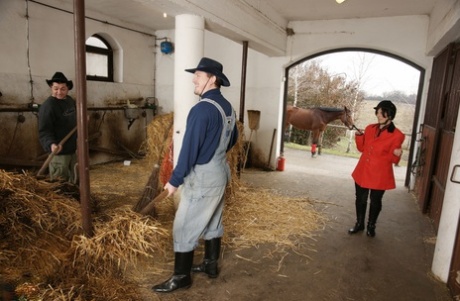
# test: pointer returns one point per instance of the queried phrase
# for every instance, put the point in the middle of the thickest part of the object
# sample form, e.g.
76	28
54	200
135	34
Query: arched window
99	59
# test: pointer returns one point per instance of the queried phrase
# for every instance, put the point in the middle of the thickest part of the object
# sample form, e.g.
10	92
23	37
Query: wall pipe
243	80
82	119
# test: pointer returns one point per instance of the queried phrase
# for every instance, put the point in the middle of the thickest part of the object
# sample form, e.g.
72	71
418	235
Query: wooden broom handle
52	154
151	205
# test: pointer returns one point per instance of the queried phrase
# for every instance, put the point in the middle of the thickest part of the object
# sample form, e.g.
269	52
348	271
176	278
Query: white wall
48	38
36	47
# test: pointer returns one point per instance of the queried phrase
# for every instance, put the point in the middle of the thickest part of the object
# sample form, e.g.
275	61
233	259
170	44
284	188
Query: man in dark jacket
56	119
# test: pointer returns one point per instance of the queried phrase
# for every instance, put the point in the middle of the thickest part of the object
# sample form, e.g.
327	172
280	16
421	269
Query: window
99	59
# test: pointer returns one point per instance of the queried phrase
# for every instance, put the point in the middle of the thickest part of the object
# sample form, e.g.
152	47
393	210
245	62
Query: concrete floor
394	265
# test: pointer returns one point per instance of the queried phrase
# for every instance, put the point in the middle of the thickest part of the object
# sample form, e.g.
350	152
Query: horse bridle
353	127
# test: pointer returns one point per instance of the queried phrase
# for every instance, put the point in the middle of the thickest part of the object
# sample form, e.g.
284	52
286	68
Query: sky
380	73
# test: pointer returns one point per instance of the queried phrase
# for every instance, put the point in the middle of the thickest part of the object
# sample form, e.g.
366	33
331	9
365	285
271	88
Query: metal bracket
455	176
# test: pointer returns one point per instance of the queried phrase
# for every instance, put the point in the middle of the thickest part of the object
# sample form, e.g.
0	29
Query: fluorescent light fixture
339	1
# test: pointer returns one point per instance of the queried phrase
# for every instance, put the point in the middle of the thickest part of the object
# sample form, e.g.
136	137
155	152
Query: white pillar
189	48
448	223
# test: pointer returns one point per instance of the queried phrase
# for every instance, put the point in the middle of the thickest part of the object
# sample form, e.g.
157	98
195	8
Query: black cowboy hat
388	107
59	77
211	66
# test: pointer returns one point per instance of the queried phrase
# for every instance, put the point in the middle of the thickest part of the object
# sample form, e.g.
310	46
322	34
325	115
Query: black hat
388	107
59	77
211	66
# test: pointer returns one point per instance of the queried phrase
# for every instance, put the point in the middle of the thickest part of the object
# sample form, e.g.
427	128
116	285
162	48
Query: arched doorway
390	67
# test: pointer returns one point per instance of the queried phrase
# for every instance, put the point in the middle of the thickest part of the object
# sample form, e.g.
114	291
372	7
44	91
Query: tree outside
310	86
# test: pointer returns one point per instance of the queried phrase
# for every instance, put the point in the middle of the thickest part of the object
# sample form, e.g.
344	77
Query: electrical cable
32	98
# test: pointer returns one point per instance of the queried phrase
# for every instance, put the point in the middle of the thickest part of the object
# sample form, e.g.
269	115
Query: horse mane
329	109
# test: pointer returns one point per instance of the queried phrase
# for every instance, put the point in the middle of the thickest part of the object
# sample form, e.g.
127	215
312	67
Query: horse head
347	119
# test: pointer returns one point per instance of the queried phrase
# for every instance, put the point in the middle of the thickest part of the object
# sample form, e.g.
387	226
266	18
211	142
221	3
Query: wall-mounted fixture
166	46
131	113
339	1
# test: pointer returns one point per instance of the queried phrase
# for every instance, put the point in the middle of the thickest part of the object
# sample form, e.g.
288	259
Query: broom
254	119
151	188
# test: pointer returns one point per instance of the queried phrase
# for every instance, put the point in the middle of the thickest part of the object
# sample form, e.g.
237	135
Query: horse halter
349	124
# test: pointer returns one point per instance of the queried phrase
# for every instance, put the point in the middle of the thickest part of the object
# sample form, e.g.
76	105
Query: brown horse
316	120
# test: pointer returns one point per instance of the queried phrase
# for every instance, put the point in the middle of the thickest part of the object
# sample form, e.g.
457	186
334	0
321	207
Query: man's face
59	90
202	82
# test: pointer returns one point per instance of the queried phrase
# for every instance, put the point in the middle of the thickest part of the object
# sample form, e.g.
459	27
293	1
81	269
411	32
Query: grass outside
340	149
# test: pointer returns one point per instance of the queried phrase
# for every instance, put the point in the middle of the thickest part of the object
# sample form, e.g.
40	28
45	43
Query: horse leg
314	142
320	142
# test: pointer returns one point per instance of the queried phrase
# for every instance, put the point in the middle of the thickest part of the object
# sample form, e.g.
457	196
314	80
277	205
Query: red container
280	163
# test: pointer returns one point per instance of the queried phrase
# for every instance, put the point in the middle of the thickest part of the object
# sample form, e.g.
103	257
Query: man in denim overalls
203	170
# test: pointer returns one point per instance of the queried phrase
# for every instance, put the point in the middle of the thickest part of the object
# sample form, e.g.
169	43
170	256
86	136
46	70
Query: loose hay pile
256	216
43	252
44	255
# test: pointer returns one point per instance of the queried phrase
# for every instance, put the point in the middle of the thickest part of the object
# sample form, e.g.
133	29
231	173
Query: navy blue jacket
202	135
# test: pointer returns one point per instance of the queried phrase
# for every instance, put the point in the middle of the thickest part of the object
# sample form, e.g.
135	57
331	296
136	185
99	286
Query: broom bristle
254	118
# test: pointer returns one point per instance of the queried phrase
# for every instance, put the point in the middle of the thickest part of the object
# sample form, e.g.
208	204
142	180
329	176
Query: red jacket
375	166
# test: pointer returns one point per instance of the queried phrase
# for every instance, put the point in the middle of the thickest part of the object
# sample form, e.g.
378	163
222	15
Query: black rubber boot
360	216
211	256
181	277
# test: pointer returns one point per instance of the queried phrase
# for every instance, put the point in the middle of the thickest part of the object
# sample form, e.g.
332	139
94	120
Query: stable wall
42	44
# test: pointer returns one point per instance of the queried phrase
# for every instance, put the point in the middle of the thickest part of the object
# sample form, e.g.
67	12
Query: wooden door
448	130
428	151
448	121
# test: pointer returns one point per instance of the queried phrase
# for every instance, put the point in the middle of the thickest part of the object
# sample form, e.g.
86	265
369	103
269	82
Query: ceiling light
339	1
165	15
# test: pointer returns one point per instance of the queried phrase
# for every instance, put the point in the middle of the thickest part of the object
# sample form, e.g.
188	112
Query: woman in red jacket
380	147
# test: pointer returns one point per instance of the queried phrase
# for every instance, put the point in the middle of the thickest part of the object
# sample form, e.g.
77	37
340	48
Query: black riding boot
211	256
181	277
360	216
374	211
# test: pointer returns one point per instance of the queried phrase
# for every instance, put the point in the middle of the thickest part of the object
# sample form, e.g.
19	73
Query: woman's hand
398	152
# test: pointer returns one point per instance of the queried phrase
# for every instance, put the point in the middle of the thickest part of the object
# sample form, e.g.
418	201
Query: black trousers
362	194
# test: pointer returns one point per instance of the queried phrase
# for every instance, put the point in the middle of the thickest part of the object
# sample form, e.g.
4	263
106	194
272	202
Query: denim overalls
202	199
